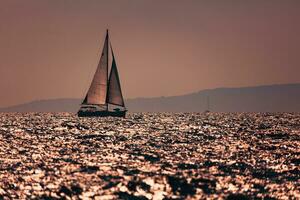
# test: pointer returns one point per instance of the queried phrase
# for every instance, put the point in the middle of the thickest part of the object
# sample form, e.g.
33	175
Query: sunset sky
50	48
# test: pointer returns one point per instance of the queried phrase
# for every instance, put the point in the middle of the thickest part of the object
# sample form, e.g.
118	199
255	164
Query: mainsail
114	93
98	89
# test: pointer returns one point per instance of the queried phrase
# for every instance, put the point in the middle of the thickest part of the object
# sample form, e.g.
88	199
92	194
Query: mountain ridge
264	98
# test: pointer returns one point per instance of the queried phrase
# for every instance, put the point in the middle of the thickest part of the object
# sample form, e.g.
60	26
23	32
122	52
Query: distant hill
52	105
271	98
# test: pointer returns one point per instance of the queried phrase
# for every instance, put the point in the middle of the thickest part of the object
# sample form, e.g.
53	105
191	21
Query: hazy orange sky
50	48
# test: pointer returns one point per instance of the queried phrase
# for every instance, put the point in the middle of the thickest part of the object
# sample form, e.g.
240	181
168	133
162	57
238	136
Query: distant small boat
104	97
208	106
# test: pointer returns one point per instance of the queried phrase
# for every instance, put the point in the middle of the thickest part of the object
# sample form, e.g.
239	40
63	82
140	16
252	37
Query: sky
50	48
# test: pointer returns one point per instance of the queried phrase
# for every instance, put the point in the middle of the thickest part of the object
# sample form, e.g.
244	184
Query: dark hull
101	114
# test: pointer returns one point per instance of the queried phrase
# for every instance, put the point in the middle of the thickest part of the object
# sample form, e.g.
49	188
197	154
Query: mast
208	104
107	53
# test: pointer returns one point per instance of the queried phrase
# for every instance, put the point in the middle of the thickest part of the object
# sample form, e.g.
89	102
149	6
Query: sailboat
104	97
208	106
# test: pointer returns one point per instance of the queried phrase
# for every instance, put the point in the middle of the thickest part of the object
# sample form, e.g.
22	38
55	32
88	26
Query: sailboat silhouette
104	90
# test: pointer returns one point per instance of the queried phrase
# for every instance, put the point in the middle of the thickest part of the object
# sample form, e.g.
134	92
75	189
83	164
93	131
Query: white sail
98	89
114	93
